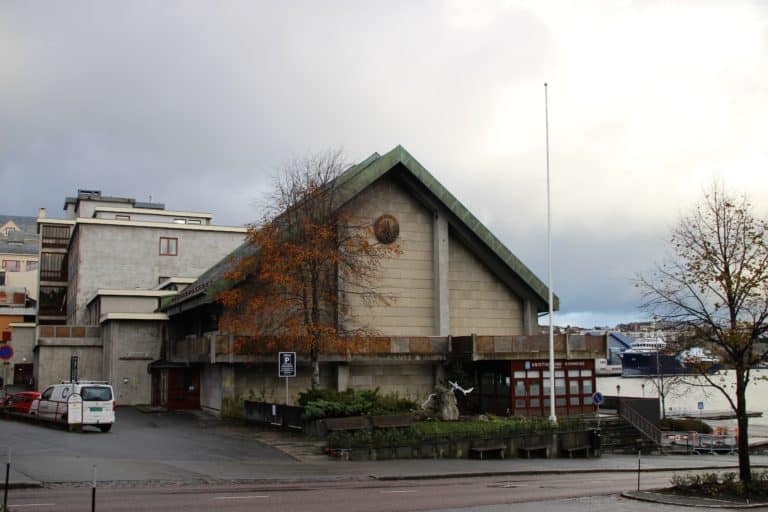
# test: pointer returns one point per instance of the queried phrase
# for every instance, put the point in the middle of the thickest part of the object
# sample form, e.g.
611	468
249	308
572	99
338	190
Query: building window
31	265
179	221
12	265
122	217
194	221
169	246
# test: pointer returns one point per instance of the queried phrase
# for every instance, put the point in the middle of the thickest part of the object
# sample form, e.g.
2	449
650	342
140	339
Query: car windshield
96	394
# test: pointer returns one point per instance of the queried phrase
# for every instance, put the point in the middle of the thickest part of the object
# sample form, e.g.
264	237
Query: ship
649	357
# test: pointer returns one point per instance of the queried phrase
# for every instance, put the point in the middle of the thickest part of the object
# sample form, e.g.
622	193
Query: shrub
722	486
332	404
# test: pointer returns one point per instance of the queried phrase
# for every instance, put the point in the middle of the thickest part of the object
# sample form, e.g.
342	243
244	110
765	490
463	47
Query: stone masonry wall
479	302
407	277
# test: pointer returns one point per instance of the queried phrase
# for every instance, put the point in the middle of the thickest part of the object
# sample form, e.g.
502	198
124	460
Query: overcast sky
195	104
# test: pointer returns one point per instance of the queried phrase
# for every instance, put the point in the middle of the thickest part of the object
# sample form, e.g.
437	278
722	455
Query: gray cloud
196	103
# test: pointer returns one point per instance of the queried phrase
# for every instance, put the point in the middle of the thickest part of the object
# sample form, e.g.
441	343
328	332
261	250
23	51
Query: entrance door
23	376
183	388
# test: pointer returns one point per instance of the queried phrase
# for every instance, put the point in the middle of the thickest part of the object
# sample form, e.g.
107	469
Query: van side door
46	406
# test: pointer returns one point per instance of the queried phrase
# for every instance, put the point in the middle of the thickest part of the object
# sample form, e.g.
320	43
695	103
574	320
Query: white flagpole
552	415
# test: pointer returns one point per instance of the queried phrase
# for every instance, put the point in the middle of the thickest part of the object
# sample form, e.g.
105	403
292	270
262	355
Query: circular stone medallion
386	229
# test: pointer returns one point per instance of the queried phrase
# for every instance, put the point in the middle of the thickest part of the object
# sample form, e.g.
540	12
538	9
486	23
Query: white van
77	404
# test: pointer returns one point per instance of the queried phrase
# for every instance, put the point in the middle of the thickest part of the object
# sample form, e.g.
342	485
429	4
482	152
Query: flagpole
552	415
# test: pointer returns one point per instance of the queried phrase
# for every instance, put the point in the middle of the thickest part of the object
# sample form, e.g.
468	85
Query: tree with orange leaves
308	257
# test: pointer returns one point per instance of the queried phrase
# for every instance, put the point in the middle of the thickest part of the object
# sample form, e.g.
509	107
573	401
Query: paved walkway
304	461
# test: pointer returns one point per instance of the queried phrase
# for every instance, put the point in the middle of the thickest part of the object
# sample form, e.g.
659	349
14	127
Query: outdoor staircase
620	436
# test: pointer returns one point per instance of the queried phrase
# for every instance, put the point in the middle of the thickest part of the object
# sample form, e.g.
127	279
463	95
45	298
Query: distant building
19	252
104	268
17	311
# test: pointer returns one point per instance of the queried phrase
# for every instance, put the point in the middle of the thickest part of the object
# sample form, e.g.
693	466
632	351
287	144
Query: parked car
20	402
77	403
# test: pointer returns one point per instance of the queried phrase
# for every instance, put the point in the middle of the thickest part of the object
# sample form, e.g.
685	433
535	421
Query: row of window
125	216
15	265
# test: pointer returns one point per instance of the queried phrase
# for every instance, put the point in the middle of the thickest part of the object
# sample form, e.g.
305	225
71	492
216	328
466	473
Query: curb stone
688	501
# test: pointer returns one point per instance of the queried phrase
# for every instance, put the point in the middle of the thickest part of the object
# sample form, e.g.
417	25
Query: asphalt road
595	492
191	461
166	446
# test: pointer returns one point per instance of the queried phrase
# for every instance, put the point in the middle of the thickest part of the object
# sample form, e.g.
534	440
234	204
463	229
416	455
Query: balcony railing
53	275
55	236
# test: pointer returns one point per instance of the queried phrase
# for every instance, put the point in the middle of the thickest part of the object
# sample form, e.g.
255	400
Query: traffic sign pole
597	397
286	367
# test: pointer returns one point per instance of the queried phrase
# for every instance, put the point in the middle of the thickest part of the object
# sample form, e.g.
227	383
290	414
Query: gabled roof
351	183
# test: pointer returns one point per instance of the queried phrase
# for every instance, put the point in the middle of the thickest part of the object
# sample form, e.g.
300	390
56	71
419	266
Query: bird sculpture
455	387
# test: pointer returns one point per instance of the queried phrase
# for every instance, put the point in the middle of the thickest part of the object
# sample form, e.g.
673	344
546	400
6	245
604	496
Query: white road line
32	505
239	497
395	492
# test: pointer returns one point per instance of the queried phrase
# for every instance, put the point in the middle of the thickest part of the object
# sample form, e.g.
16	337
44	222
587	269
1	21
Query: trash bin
594	440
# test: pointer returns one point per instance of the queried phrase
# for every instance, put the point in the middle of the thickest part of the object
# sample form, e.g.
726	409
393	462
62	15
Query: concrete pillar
442	312
530	319
342	377
227	383
439	375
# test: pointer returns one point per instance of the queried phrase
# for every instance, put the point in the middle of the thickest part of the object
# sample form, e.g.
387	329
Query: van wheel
105	428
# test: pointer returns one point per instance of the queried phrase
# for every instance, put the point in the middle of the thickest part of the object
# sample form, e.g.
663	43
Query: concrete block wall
52	363
479	302
127	257
211	387
409	380
261	383
129	346
409	277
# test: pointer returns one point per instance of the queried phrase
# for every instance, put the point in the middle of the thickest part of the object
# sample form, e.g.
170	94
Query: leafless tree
714	286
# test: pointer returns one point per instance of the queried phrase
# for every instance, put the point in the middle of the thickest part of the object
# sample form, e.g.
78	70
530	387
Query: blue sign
701	405
287	364
597	398
6	352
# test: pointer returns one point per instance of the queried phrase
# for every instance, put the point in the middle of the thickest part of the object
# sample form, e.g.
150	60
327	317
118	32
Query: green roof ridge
358	177
364	176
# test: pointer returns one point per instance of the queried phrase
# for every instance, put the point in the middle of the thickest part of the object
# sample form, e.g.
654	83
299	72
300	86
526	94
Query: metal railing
640	422
693	442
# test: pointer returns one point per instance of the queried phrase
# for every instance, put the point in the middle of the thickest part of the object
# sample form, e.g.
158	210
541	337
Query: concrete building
17	314
464	304
104	268
19	253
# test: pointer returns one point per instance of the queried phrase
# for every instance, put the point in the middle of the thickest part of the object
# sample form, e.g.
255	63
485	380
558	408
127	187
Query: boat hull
649	365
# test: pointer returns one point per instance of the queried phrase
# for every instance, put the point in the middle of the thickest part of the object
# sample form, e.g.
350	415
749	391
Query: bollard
93	491
7	478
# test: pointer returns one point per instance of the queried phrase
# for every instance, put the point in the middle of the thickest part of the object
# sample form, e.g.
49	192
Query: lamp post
618	390
552	416
642	387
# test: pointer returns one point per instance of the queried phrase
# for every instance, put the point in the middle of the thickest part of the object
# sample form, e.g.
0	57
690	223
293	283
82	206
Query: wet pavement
196	448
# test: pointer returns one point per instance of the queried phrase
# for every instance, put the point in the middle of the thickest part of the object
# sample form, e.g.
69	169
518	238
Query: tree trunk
315	356
745	470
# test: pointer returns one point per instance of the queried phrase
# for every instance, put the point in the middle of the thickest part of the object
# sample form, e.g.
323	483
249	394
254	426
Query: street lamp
642	387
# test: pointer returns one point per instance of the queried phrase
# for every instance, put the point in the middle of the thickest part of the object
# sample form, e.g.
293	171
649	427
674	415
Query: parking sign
286	366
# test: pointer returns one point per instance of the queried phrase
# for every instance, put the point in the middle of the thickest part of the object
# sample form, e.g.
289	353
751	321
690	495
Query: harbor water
692	395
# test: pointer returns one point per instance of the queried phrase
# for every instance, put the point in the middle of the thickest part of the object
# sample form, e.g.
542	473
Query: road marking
239	497
396	492
34	505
